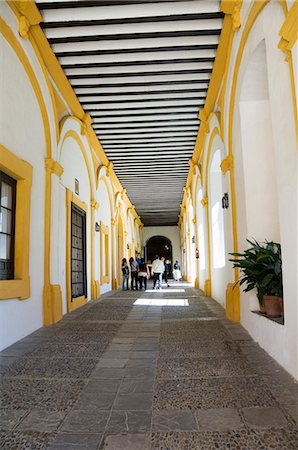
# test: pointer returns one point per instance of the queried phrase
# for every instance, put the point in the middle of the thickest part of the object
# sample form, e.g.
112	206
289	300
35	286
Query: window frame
12	182
73	302
21	171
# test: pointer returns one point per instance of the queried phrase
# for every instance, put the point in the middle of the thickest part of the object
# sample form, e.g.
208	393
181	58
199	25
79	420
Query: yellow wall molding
94	204
233	8
21	171
204	119
56	302
20	53
104	254
29	16
204	202
24	26
54	167
110	169
30	11
95	290
289	31
86	122
207	288
197	284
233	302
72	303
33	17
227	164
94	207
74	135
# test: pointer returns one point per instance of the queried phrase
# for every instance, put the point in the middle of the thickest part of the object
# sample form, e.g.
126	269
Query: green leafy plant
261	268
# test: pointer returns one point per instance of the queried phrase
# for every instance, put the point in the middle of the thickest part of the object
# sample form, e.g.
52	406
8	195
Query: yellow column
95	288
232	291
197	283
207	285
52	295
114	264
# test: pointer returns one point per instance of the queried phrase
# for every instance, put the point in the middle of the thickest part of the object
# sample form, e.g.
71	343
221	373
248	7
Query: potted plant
261	269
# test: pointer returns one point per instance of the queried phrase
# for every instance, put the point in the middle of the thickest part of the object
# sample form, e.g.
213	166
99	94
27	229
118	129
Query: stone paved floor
114	375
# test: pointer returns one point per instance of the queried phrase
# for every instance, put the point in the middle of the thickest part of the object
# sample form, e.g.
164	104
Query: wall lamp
225	201
97	227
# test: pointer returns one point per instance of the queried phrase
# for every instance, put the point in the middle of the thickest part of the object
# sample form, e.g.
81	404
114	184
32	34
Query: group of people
139	272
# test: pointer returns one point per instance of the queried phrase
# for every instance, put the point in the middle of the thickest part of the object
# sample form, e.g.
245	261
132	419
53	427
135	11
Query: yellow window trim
104	249
22	172
72	303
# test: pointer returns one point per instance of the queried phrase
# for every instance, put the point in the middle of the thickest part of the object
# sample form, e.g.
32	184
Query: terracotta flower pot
272	305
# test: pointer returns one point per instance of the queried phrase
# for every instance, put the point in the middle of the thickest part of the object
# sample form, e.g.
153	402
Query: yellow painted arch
74	135
43	68
254	12
110	195
17	48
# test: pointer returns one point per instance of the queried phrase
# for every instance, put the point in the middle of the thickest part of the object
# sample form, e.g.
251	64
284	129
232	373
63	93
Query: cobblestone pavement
139	371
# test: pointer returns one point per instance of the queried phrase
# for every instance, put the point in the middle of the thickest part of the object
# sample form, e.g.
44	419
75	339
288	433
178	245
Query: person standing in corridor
166	271
125	274
143	274
157	269
134	269
176	271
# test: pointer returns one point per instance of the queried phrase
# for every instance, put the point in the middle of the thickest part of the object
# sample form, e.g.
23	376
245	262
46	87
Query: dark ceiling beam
136	50
131	20
141	83
91	3
131	36
136	63
140	93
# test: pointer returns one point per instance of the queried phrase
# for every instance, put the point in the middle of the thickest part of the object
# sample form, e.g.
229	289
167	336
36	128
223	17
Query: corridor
147	370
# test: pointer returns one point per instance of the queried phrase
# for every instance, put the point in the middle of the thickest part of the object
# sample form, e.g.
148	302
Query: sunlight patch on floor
163	291
161	302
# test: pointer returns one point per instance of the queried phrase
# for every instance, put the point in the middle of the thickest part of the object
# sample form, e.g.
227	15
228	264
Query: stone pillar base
207	288
233	302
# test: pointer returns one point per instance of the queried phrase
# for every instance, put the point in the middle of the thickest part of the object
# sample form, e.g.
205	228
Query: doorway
162	246
78	252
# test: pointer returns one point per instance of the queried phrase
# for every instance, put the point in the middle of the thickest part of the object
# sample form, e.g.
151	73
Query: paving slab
115	376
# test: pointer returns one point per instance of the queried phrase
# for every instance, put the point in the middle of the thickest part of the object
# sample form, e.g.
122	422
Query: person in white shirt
157	269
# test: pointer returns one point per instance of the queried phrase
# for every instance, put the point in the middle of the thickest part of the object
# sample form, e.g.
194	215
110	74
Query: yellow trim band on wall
104	250
21	171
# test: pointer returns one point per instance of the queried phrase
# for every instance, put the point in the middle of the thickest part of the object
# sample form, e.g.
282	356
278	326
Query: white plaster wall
171	233
202	238
279	341
104	215
219	271
21	131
